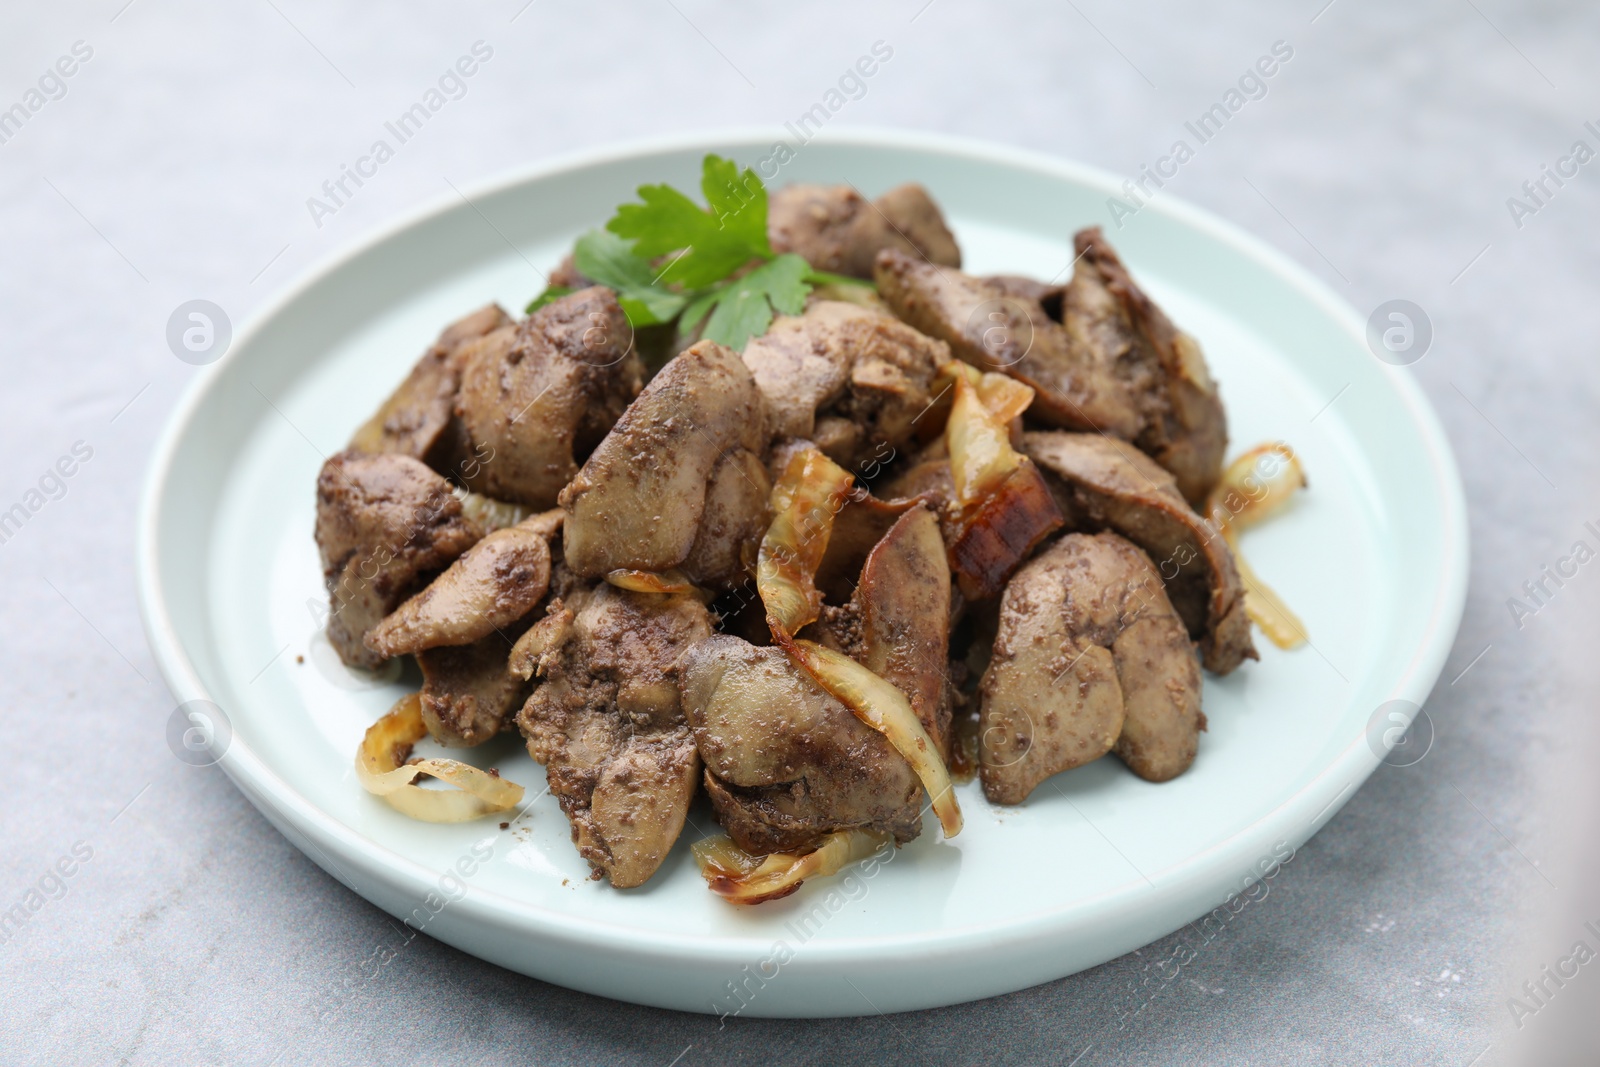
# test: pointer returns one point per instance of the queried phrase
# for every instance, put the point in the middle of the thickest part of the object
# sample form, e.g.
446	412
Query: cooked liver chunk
639	501
897	621
850	378
1098	352
911	212
534	406
1185	429
468	694
1103	484
413	420
607	722
568	276
836	229
1075	386
786	763
385	523
926	474
732	524
496	582
1048	296
1090	655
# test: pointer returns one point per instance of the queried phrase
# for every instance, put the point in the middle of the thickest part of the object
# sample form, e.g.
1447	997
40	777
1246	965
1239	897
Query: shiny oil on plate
1096	863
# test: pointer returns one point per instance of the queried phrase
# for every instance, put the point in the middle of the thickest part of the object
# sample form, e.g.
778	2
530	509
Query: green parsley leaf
706	245
668	257
739	202
698	308
823	277
607	259
551	294
744	307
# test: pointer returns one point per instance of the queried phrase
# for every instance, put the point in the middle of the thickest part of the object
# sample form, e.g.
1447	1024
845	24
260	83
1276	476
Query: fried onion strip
671	581
1003	506
804	502
383	771
488	512
978	433
1254	487
741	878
885	709
1264	606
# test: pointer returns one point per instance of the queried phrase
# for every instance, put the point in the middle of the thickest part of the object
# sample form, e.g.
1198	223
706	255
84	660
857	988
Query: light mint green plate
1095	864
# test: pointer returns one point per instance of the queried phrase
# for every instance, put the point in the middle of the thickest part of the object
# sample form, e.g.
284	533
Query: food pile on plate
768	499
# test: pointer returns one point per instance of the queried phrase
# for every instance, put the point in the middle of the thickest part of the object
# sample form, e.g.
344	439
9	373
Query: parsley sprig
669	258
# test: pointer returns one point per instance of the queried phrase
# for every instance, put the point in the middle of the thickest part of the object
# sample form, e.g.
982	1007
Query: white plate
1095	864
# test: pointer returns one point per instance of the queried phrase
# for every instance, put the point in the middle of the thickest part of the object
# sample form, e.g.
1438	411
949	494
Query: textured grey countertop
175	163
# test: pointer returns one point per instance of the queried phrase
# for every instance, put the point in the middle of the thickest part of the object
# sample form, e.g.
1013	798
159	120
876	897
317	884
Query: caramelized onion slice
1003	507
382	770
978	433
1265	608
1254	487
671	581
804	502
741	878
488	512
885	709
1000	530
535	650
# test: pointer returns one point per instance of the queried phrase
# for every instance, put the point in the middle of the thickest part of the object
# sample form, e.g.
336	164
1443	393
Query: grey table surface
176	162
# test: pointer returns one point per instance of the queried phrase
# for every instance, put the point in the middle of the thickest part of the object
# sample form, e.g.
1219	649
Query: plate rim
261	783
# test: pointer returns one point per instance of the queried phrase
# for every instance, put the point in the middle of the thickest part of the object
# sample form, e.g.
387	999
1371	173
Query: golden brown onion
671	581
741	878
885	709
1001	531
978	433
382	770
1264	606
804	502
1254	487
488	512
1003	506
